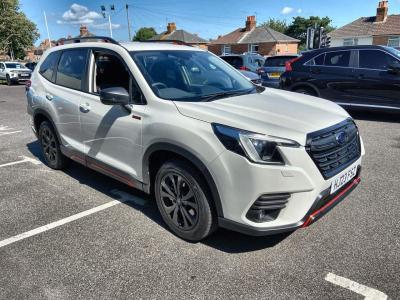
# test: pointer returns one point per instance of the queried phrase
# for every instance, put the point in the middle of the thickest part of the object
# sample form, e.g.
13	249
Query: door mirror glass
114	96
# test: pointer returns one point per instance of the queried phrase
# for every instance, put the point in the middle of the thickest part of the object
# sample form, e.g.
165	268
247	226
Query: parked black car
356	76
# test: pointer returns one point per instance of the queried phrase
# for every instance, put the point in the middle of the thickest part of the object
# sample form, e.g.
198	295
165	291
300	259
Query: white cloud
105	26
299	11
287	10
79	14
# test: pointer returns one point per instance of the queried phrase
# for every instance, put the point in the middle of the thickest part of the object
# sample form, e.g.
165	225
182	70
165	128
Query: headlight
12	74
257	148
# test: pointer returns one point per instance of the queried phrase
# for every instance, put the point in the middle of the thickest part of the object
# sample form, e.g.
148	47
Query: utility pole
129	23
47	28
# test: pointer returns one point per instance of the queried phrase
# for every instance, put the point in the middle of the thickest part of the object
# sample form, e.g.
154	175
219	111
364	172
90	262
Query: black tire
51	147
8	79
192	219
305	91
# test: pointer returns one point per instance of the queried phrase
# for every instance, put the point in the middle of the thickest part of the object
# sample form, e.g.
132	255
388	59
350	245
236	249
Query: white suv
14	72
181	124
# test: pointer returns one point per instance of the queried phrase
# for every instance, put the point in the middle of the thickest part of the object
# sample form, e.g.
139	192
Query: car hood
273	112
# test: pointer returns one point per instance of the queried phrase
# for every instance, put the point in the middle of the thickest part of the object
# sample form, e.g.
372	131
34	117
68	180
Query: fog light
267	207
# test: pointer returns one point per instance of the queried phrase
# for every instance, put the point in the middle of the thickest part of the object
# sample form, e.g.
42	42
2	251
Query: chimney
382	11
250	23
83	30
171	27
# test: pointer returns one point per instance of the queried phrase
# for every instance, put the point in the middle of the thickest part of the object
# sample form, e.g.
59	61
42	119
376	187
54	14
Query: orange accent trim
314	214
107	170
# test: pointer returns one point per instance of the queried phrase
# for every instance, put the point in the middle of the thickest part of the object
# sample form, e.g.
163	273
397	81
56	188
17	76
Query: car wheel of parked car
8	79
51	147
305	91
184	202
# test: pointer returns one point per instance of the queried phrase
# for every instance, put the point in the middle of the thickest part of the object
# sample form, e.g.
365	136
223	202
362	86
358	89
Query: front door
377	86
111	134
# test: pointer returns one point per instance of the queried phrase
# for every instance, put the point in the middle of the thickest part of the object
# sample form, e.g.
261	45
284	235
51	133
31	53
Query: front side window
48	66
377	60
189	75
71	68
337	59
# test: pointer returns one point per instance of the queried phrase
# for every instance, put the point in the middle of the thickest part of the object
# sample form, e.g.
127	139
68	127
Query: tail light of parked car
244	68
288	64
260	71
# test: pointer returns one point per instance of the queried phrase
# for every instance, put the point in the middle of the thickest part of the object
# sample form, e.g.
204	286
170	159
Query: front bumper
322	205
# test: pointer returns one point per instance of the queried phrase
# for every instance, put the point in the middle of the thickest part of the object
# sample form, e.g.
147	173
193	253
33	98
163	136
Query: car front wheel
183	201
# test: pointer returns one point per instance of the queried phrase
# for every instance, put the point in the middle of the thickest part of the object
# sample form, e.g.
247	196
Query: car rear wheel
183	201
51	147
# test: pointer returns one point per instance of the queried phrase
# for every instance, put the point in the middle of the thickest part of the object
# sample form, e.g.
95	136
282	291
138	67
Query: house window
350	42
253	48
226	49
394	41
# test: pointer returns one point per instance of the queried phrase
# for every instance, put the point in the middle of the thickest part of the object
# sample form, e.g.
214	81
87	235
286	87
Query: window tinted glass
337	59
109	72
47	67
235	61
14	66
317	61
373	59
71	68
277	61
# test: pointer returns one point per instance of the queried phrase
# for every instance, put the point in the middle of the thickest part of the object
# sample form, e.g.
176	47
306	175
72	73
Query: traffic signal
328	42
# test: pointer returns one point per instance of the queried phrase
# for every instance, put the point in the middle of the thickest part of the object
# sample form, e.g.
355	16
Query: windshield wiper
221	95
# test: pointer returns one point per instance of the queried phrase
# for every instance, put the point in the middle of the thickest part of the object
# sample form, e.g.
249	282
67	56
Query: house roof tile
180	35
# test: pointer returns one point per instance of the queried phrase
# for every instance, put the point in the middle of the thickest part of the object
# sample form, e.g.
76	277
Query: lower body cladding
269	199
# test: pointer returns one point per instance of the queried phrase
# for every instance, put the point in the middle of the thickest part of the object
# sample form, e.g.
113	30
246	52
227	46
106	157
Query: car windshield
190	75
277	61
14	66
394	51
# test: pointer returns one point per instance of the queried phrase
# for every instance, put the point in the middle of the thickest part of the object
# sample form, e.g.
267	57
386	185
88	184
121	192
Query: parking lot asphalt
125	251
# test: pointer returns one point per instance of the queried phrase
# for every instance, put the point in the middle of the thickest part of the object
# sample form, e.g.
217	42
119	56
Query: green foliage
144	33
276	24
298	28
17	32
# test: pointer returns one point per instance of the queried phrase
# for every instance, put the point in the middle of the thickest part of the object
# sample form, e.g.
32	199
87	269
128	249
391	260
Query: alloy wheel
179	201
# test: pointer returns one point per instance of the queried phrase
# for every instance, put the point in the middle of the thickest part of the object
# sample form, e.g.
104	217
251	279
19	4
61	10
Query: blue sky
208	18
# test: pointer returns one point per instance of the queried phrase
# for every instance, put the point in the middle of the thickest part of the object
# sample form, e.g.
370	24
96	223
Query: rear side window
277	61
235	61
373	59
337	59
48	66
71	67
316	61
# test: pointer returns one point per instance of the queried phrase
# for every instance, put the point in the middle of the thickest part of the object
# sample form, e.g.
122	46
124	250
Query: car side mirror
394	69
114	96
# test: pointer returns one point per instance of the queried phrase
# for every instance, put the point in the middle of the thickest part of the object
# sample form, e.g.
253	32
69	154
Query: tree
298	28
144	33
276	24
17	32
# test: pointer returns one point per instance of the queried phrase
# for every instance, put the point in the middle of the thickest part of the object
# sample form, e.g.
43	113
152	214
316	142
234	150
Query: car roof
130	46
330	49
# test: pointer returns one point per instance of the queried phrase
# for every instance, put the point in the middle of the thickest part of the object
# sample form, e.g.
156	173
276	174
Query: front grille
334	148
267	207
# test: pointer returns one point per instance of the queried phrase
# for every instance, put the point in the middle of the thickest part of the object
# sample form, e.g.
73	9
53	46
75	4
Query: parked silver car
14	72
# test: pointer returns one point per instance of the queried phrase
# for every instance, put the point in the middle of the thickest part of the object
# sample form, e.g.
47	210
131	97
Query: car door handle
84	107
49	97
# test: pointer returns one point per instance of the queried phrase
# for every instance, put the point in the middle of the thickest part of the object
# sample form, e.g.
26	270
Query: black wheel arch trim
40	111
305	85
166	146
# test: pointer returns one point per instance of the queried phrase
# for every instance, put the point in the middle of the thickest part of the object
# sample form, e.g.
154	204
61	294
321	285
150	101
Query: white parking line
367	292
24	160
11	132
58	223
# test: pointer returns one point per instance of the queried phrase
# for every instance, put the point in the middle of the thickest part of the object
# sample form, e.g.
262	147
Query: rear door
377	86
65	94
334	78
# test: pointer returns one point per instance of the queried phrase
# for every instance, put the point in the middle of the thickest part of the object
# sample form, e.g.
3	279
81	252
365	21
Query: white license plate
24	75
343	178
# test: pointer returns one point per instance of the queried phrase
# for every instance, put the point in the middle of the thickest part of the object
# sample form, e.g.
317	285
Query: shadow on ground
223	240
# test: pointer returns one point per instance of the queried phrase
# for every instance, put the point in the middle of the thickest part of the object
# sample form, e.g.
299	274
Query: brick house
262	40
173	34
381	29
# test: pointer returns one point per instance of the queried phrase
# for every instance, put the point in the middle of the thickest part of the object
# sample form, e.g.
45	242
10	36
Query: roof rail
176	42
104	39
